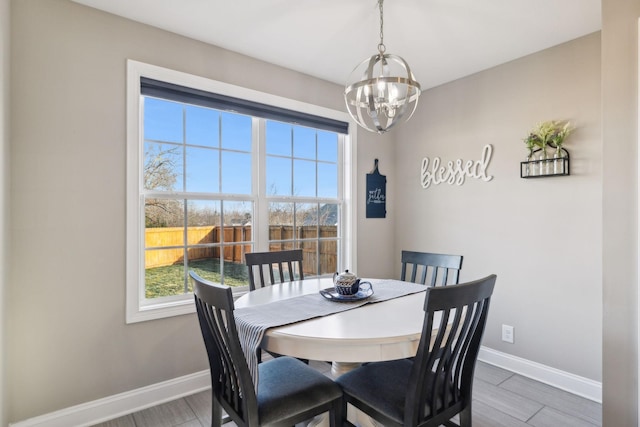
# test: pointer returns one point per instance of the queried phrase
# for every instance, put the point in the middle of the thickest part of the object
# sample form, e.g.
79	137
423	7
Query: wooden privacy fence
327	250
234	250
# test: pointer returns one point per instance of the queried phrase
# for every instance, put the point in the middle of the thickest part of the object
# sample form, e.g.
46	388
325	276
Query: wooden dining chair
288	267
288	392
440	269
436	385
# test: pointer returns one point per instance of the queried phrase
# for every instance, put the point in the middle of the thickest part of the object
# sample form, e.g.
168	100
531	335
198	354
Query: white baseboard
111	407
566	381
101	410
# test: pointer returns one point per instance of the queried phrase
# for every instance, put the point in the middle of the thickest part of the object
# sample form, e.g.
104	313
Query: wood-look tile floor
501	399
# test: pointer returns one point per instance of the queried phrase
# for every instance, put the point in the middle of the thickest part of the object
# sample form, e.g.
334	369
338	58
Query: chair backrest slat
289	261
436	269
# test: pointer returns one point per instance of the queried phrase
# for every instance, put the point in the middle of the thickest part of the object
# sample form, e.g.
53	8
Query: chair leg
336	415
342	412
216	413
465	416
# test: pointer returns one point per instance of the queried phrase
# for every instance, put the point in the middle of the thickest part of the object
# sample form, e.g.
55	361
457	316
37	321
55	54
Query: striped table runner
252	322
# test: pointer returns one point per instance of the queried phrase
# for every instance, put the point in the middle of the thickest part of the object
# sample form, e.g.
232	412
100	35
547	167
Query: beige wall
68	342
4	193
620	211
542	237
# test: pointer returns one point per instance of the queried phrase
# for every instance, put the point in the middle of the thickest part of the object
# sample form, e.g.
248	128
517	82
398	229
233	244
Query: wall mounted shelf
546	168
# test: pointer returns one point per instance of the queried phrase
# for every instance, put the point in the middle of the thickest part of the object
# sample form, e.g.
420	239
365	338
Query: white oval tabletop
385	330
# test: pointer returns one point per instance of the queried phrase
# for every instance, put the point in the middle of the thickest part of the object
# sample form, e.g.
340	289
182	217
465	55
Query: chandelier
386	92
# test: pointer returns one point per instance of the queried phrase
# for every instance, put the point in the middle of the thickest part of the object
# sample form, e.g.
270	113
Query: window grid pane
312	227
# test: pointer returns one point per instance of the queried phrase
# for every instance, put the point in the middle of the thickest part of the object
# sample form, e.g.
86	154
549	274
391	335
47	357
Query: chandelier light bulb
393	95
381	88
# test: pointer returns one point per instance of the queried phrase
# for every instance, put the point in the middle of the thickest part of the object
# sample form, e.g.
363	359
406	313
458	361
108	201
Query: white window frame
138	308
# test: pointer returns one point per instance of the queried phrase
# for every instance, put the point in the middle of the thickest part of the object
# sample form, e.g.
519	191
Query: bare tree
203	215
163	213
160	174
159	168
280	213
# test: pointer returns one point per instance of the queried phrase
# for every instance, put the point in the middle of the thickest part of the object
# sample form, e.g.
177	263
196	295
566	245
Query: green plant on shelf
548	133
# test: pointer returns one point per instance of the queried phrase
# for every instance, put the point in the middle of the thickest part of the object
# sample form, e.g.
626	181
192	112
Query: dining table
370	330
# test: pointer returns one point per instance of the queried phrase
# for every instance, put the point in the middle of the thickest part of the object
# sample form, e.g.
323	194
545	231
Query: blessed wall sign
432	172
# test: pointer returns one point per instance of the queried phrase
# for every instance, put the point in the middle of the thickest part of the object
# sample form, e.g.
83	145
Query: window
215	171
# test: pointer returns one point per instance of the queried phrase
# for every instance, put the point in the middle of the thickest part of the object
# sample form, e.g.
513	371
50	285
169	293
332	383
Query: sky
218	154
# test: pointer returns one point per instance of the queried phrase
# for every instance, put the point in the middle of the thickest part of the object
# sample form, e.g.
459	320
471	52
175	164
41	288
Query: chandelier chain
381	46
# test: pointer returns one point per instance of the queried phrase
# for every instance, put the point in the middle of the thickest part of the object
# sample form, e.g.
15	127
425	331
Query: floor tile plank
193	423
549	417
170	414
563	401
487	416
126	421
491	374
504	400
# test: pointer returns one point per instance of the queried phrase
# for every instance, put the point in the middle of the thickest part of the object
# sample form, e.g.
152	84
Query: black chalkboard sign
376	193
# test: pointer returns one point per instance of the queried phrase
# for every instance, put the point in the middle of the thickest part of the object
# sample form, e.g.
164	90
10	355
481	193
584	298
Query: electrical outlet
507	333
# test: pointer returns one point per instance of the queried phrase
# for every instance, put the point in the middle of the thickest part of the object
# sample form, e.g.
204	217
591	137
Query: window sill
160	310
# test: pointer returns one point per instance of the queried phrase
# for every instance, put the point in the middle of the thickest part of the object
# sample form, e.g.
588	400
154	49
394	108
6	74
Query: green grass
169	280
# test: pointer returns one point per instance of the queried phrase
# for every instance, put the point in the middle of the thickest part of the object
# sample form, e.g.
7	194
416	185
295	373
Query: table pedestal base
339	368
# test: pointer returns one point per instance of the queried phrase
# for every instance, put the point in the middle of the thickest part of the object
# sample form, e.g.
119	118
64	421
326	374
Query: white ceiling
442	40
